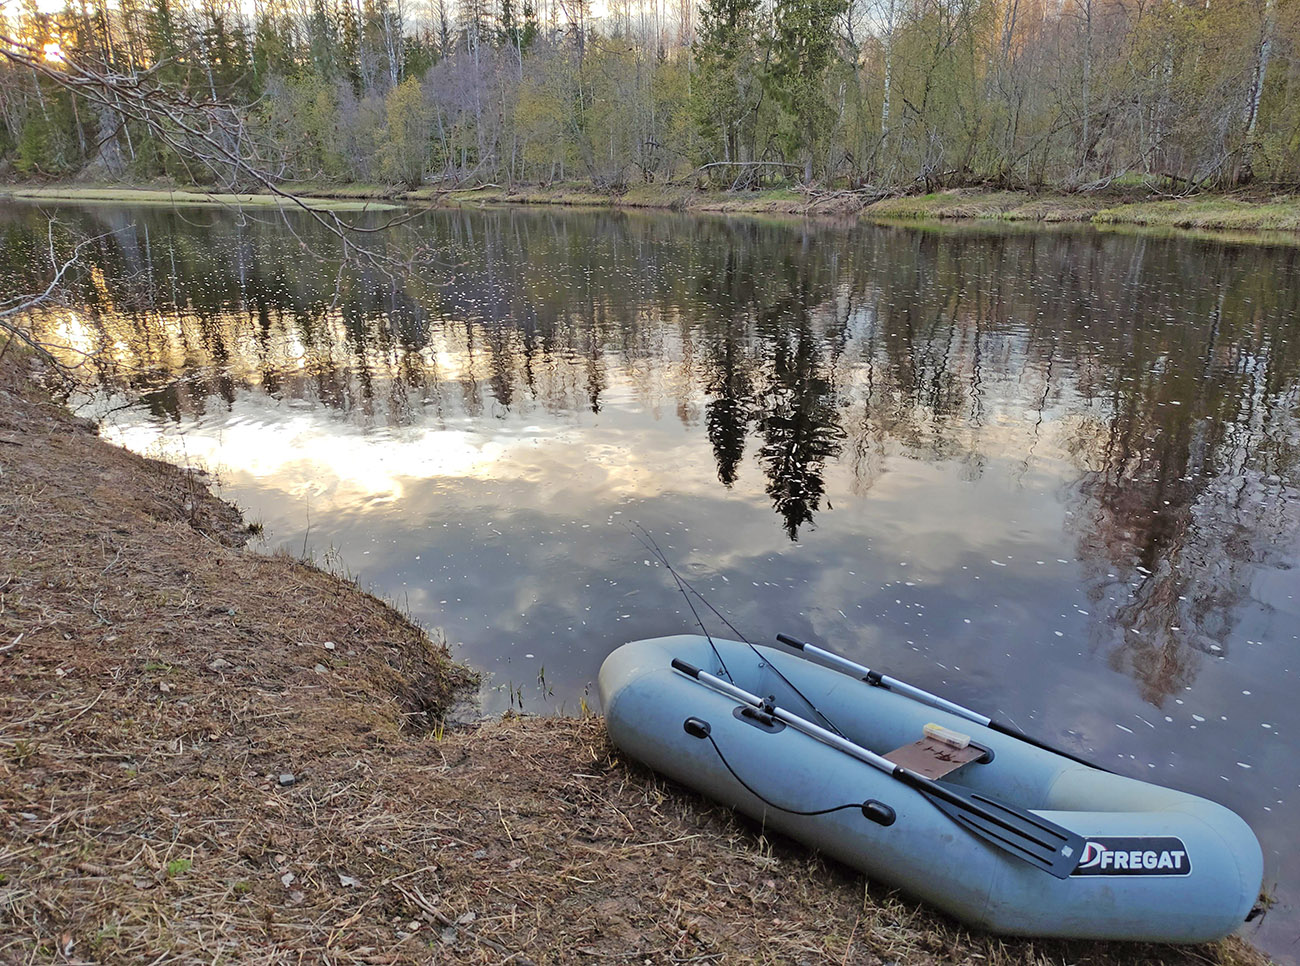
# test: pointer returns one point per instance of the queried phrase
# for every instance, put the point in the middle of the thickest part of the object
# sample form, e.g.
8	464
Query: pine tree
803	50
726	90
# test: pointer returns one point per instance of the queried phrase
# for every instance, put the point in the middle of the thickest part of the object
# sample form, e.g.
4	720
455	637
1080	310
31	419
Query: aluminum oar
878	680
1017	831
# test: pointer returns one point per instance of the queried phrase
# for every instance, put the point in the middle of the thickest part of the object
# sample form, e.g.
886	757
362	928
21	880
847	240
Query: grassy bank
213	755
987	205
1202	212
178	198
1208	214
1257	212
1198	213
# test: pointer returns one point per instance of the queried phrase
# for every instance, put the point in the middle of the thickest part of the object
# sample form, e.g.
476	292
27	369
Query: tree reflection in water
1113	416
1161	367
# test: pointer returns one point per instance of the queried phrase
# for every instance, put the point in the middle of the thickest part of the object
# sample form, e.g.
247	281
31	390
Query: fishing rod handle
690	670
876	679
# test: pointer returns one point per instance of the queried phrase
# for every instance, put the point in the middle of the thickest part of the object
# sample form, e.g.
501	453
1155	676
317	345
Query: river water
1051	474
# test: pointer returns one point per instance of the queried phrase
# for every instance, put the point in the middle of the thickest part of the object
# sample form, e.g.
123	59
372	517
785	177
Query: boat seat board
933	758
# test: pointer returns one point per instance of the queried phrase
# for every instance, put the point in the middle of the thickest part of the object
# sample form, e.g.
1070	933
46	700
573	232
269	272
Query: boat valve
697	728
878	812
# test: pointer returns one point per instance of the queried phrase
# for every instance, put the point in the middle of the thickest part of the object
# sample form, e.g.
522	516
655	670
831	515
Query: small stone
220	664
287	879
287	779
319	669
329	645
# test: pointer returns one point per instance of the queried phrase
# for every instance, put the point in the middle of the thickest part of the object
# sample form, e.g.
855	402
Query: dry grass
1205	213
156	681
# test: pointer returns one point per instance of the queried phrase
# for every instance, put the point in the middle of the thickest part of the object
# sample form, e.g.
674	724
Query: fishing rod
878	680
1017	831
647	540
689	603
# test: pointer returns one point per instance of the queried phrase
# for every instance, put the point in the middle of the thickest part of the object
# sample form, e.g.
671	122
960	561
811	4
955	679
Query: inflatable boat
994	828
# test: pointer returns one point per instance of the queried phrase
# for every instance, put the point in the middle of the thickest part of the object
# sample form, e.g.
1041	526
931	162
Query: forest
841	94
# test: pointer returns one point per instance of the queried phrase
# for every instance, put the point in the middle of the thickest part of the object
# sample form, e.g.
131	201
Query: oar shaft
876	679
1045	845
793	720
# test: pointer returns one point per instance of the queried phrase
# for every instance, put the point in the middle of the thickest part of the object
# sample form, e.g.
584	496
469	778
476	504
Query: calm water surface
1052	475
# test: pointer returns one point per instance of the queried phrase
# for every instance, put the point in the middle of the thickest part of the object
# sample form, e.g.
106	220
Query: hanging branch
19	305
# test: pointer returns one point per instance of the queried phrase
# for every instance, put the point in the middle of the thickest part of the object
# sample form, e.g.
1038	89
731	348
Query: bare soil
209	755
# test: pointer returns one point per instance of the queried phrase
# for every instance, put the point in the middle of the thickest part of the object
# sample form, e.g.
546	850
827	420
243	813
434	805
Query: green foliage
727	90
406	149
938	92
803	48
46	143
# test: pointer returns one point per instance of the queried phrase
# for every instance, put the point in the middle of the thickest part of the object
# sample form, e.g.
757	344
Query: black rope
767	801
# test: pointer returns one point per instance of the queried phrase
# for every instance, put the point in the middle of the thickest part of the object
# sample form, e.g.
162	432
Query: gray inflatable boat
993	829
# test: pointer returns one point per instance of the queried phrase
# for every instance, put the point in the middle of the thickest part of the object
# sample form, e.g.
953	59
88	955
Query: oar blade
1029	837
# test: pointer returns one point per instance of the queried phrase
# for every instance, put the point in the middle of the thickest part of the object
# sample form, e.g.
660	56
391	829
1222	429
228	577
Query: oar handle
690	670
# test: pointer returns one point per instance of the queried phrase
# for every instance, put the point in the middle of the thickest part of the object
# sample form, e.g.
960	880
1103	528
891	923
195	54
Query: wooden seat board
932	758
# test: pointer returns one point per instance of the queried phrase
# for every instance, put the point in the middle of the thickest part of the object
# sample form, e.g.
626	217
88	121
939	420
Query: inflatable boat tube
1158	864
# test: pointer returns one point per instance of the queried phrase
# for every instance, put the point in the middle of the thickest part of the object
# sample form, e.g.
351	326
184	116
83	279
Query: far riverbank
1254	211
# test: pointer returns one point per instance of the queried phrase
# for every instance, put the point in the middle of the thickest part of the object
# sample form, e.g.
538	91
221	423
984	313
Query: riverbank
182	198
1242	212
209	755
1208	212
